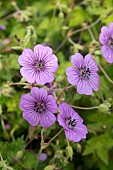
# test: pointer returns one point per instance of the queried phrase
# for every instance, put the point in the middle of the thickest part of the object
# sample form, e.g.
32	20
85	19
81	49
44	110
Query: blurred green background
68	26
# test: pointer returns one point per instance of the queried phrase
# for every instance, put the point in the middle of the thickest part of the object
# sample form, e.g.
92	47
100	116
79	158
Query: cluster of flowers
39	106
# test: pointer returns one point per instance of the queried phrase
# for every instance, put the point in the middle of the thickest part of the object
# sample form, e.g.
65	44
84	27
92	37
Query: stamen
39	107
39	65
84	72
71	122
110	43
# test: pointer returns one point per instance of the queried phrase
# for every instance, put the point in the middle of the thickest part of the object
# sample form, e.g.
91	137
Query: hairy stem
17	161
55	136
105	74
18	83
85	108
85	28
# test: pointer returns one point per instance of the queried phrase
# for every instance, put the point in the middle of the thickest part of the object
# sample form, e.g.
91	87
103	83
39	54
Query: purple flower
43	157
106	39
2	27
38	107
7	126
72	123
38	66
83	73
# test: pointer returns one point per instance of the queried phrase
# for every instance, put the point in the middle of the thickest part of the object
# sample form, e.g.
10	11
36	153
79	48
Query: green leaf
100	146
77	16
13	62
102	154
29	159
12	148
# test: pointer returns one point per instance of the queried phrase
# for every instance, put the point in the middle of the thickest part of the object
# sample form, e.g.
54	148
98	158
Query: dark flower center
39	64
84	72
110	42
71	122
39	107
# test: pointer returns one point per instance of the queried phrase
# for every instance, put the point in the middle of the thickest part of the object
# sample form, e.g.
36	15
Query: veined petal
81	130
84	87
90	63
51	105
72	135
94	81
42	52
27	58
72	75
107	53
66	111
39	94
29	74
32	117
44	77
47	119
51	63
27	102
104	35
77	60
61	121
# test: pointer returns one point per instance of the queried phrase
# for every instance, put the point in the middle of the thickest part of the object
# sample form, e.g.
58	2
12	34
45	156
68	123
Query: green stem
40	151
83	29
85	108
91	34
3	124
45	145
41	148
105	74
54	137
67	141
66	88
18	83
61	45
3	127
12	157
71	41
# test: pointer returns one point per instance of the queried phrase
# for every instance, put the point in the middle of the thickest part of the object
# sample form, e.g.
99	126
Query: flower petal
73	76
42	52
51	63
27	102
28	73
39	94
104	35
44	77
94	81
61	121
81	130
66	111
84	87
27	58
77	60
72	136
107	53
51	105
32	117
47	119
90	63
